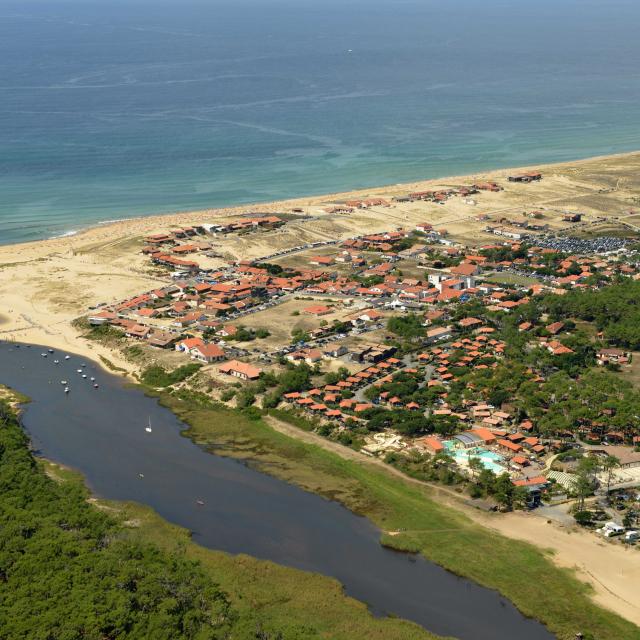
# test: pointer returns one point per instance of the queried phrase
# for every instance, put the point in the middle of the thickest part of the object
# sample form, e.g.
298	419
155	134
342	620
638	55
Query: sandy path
611	569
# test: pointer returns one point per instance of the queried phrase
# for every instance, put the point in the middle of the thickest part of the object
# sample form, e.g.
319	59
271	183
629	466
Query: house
147	312
103	317
308	355
227	331
161	339
439	333
431	444
240	370
207	353
334	350
520	461
530	176
486	435
605	356
555	328
467	323
321	261
510	446
317	310
432	316
534	486
188	344
362	317
137	331
465	269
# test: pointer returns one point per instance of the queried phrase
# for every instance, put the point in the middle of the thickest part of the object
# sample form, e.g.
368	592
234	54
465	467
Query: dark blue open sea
111	109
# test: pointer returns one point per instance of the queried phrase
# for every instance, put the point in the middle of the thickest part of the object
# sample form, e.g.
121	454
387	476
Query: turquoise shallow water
113	109
489	459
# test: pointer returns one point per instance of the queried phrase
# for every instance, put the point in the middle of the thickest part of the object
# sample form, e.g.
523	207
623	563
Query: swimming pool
489	459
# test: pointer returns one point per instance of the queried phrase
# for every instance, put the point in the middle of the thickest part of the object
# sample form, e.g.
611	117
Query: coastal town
406	344
320	321
473	337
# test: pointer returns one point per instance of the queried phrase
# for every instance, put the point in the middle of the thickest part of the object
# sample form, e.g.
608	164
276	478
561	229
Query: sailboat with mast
148	428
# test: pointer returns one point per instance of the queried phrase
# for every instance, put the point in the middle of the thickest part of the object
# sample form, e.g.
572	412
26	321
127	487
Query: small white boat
63	382
95	386
56	362
67	357
148	428
141	475
79	370
83	365
66	389
84	375
93	379
44	355
50	350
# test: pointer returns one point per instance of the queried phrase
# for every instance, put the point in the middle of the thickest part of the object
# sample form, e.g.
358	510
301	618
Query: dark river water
101	432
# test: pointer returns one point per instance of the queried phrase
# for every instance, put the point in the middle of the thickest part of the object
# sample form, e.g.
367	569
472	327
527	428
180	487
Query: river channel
102	432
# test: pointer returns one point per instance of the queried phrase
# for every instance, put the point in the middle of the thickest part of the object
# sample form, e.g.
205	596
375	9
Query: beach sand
612	569
45	285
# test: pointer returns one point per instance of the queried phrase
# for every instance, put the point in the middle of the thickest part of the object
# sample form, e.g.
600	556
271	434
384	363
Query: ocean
112	109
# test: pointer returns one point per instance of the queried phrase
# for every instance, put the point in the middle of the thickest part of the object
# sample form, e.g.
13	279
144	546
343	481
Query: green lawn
520	571
510	278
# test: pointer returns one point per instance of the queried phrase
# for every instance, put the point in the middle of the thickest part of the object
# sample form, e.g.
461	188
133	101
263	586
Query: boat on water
44	355
93	379
66	389
84	375
56	362
200	502
148	428
63	382
50	350
67	357
79	370
95	386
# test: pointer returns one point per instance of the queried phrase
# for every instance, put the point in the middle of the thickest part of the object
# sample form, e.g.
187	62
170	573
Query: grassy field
510	278
523	573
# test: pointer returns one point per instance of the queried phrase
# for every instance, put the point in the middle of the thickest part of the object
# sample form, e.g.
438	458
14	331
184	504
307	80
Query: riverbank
258	596
522	572
144	473
612	571
233	508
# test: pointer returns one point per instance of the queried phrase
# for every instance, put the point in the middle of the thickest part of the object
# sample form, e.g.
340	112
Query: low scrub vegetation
157	376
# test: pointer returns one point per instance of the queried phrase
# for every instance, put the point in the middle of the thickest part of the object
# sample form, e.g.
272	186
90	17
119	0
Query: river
102	433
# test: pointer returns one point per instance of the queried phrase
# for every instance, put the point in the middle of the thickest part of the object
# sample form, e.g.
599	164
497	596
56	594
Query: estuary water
102	433
113	108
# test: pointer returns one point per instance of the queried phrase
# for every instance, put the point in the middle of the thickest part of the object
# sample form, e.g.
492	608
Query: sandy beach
45	285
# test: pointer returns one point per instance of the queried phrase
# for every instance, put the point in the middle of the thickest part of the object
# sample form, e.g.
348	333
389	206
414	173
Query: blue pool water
489	459
113	108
